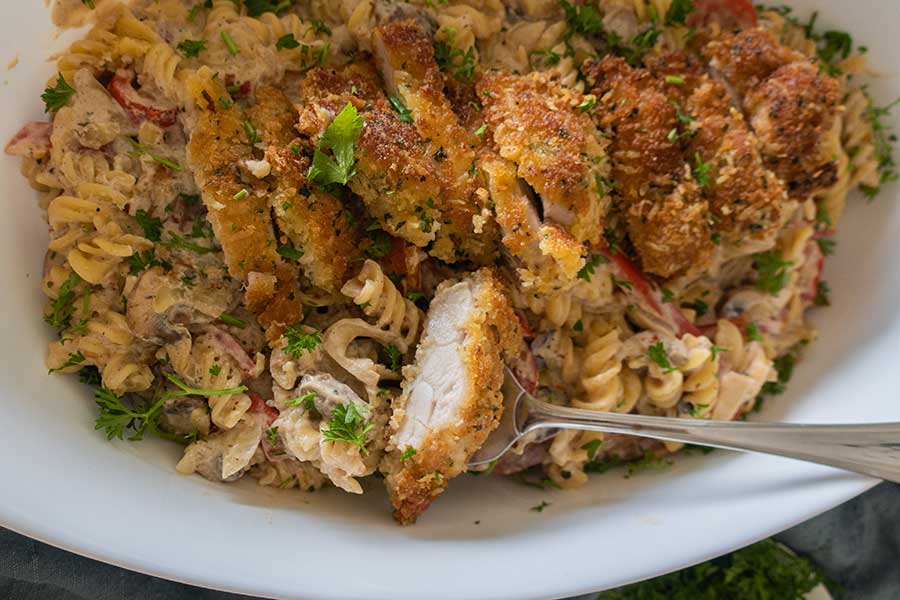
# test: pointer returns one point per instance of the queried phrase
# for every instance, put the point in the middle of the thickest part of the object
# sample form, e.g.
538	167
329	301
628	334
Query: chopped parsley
257	7
289	252
178	242
115	418
826	246
587	104
152	226
348	425
57	96
272	435
772	271
648	462
215	370
678	12
459	63
89	4
625	285
232	320
191	48
76	358
139	149
140	261
700	307
753	333
229	43
299	341
395	356
403	113
784	366
89	375
667	295
381	243
307	401
761	571
592	448
287	42
540	507
481	130
883	141
674	80
250	130
822	291
590	266
408	453
582	19
657	353
340	137
701	171
62	308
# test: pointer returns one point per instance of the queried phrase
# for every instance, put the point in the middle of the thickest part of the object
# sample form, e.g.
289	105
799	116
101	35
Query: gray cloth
857	545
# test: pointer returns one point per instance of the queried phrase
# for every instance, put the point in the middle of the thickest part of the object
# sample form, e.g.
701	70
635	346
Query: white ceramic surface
123	503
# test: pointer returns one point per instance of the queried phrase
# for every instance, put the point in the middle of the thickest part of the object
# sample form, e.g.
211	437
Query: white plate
123	503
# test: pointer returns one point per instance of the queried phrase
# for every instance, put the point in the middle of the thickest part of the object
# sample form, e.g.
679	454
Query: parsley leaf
701	171
75	358
753	333
592	448
115	418
152	226
540	507
191	48
299	341
63	307
772	271
176	241
678	12
784	366
340	137
404	114
257	7
657	353
57	96
395	356
348	425
289	252
822	291
408	453
286	42
89	375
461	64
590	266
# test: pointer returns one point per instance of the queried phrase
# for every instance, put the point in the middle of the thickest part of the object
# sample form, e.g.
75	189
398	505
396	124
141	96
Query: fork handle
870	449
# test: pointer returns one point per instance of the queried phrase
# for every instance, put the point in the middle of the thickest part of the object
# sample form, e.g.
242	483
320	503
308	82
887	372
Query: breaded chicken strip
239	213
667	218
555	146
405	55
396	177
745	197
451	396
792	108
549	255
311	221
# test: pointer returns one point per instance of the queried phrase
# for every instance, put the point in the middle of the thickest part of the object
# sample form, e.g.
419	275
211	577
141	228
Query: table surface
857	545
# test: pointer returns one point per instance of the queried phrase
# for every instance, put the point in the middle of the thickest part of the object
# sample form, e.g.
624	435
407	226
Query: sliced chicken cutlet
405	55
237	201
667	218
792	108
395	176
550	257
745	197
557	150
451	396
313	223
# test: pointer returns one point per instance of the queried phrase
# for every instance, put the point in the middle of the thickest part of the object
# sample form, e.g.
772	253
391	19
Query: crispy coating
217	152
744	196
396	177
791	107
310	220
795	115
667	217
549	255
490	330
406	58
745	60
555	147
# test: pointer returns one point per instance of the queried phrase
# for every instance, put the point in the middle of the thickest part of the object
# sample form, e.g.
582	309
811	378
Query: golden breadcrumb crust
536	124
667	217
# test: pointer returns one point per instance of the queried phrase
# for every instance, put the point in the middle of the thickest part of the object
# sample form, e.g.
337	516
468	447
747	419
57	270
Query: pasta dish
303	238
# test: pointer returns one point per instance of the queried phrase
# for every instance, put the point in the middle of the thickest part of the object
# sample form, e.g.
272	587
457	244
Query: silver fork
871	449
